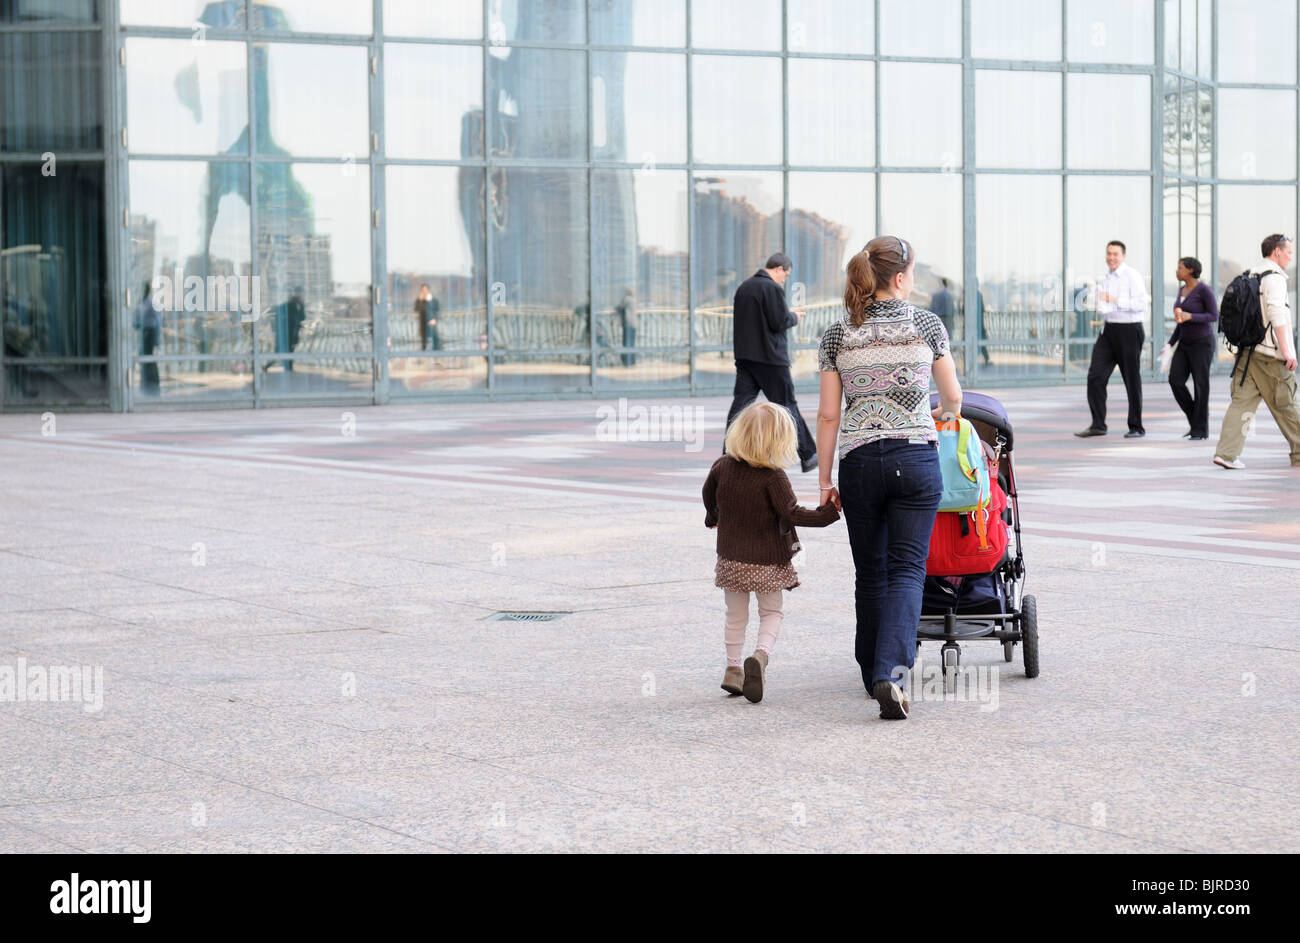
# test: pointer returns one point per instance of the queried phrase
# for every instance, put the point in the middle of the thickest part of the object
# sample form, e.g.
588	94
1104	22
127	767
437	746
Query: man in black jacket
760	319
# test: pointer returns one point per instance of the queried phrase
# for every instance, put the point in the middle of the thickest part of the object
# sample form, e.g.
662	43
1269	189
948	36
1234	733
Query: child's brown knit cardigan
755	511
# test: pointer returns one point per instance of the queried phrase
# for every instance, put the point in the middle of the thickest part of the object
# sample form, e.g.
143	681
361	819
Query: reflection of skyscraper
729	231
537	220
817	247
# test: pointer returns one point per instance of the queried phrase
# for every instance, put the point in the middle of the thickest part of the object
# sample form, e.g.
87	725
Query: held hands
831	494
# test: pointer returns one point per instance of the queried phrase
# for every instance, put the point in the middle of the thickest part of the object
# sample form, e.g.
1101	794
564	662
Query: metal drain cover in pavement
525	616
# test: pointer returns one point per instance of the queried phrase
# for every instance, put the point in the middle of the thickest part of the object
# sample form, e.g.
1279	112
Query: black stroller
988	605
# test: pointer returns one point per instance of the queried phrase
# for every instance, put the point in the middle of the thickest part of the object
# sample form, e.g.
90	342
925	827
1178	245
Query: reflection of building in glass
817	248
731	240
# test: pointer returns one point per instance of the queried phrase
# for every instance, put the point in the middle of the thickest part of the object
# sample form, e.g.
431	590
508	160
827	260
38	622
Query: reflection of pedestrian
760	319
427	310
942	304
979	321
1195	310
1122	301
289	316
626	312
149	323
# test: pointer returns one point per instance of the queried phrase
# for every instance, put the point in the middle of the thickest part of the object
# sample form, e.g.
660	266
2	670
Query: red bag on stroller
955	548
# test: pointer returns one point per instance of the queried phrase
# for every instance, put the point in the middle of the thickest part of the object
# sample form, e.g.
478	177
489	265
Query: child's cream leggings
769	622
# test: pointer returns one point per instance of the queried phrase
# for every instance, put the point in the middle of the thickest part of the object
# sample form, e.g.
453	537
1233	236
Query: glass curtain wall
53	258
370	200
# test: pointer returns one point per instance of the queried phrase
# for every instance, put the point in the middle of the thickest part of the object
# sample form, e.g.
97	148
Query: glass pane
538	101
538	284
906	140
920	28
1007	103
1204	131
737	226
926	210
1257	41
435	241
49	92
1169	124
313	250
638	22
736	24
1018	258
716	369
1204	224
52	267
185	383
638	104
555	21
1246	215
1204	39
1257	134
442	19
184	97
348	378
730	92
1102	209
541	373
1187	19
1112	31
189	14
665	371
832	115
315	16
1174	249
1100	103
1015	29
1187	130
315	100
189	238
639	244
831	26
49	11
410	377
832	216
55	384
1171	33
433	101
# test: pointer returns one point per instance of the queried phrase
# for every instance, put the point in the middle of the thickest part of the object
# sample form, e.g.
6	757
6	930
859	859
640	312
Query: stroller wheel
951	655
1008	650
1029	635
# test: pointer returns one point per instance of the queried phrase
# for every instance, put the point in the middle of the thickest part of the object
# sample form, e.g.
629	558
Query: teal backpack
965	471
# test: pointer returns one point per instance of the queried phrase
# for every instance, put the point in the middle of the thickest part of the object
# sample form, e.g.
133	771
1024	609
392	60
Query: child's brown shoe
755	671
733	680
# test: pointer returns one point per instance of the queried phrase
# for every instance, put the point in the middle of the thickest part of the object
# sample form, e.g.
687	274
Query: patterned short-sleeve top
884	364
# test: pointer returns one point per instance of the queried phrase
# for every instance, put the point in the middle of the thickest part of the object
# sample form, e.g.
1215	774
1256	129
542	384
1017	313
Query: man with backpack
1256	319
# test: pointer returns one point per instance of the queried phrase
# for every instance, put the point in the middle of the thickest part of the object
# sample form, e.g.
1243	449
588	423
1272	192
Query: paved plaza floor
289	614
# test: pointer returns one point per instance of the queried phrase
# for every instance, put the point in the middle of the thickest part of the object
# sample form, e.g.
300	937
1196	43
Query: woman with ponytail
876	365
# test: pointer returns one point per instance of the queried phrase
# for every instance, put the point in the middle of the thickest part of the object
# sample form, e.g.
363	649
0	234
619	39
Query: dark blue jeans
890	491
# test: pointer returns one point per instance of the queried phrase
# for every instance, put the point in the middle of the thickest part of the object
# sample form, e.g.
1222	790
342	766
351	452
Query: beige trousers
1267	380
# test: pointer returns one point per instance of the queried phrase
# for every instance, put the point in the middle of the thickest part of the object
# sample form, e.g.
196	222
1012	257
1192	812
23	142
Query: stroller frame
1017	622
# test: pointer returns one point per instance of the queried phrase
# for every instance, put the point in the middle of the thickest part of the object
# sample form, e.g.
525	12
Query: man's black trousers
775	382
1119	345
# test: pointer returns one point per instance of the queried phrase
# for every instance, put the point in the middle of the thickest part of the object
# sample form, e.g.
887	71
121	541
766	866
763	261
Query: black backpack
1241	318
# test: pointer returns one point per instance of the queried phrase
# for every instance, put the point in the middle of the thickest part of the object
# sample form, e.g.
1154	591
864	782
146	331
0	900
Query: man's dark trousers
1119	345
777	385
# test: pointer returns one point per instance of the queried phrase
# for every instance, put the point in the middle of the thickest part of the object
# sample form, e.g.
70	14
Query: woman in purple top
1195	310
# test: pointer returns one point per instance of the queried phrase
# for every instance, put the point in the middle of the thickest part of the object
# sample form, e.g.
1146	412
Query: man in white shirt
1122	299
1270	369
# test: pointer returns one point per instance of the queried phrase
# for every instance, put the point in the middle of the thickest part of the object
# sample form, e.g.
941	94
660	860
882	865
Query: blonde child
748	498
